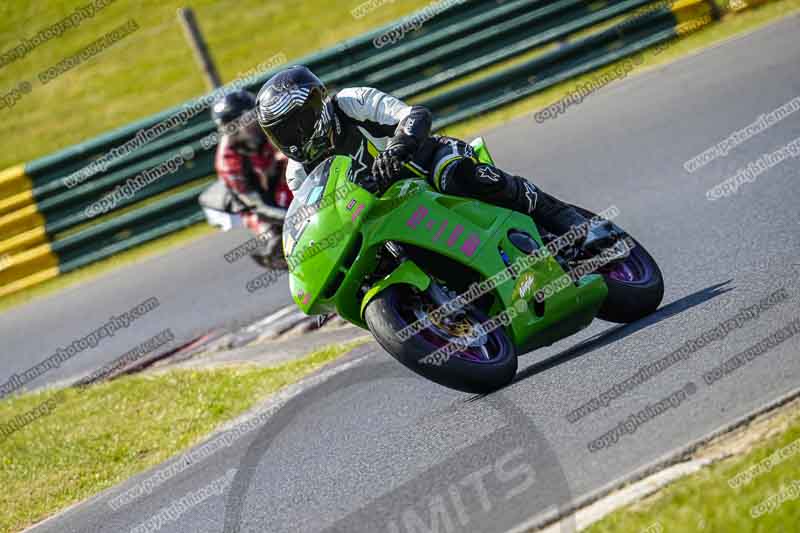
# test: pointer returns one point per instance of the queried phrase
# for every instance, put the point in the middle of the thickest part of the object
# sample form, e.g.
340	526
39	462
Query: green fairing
407	273
338	242
481	150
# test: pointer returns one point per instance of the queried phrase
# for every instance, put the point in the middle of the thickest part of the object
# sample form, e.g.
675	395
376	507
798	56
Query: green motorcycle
453	288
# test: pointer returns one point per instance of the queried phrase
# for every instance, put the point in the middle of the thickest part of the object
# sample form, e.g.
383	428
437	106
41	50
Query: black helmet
234	115
294	112
231	106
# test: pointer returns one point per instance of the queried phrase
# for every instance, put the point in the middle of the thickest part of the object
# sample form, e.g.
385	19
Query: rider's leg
456	171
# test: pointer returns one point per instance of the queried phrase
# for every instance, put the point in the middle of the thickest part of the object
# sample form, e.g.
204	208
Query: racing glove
370	182
409	135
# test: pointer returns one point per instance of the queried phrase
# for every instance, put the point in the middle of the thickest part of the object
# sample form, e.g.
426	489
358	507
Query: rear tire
635	287
385	315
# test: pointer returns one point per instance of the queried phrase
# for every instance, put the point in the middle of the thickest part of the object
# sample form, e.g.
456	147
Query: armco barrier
44	204
597	50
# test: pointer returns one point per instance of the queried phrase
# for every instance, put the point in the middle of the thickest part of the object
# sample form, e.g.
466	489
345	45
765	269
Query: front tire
393	310
270	261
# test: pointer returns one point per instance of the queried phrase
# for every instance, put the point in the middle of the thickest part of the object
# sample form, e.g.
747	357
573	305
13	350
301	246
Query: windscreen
306	203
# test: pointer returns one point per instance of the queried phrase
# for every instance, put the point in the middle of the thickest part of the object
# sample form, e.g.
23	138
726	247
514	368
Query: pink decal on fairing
470	245
305	296
441	230
357	212
468	248
457	231
417	217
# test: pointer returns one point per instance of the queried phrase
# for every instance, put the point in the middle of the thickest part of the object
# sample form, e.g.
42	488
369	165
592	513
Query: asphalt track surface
373	448
196	288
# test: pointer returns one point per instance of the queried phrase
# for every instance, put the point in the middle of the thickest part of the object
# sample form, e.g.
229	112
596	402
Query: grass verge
87	443
716	500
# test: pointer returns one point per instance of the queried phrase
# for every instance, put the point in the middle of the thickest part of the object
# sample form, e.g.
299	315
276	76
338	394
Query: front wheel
635	284
449	351
270	253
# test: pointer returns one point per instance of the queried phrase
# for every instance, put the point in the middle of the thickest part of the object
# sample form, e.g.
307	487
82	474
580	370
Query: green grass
153	68
99	436
706	503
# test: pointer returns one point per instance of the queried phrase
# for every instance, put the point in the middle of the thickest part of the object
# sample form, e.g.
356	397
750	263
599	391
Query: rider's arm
384	116
404	129
230	169
412	131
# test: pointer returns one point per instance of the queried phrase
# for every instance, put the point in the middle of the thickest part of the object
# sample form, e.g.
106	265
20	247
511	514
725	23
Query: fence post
198	44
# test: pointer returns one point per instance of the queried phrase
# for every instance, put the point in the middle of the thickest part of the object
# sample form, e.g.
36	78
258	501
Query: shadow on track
623	330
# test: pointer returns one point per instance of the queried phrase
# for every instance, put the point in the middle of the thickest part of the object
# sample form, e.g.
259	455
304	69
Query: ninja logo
525	285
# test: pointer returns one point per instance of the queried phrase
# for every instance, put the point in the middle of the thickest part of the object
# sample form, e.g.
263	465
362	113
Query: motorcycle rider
246	161
381	133
250	166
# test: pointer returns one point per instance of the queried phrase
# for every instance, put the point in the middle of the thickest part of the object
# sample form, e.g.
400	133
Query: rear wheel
635	284
448	351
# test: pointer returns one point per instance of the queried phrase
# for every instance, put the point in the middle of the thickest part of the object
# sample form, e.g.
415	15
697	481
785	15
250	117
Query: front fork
437	294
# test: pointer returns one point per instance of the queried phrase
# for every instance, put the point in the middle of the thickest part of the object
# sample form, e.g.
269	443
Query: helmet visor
303	134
